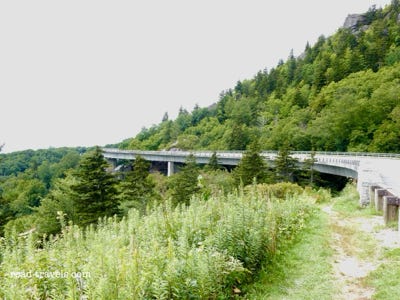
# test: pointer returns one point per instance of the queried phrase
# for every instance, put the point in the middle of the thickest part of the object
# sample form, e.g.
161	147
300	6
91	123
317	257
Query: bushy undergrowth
279	190
201	251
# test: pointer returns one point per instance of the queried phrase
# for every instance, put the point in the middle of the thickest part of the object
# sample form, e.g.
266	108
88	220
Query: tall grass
201	251
302	270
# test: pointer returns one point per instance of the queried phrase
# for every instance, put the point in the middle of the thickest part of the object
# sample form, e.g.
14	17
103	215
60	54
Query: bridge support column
390	209
113	164
171	168
363	191
379	194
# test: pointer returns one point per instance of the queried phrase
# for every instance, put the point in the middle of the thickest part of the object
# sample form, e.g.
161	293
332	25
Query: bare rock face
354	22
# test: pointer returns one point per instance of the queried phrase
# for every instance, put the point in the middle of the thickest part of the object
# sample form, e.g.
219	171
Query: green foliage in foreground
201	251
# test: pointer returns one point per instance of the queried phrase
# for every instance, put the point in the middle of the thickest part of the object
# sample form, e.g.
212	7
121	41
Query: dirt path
358	243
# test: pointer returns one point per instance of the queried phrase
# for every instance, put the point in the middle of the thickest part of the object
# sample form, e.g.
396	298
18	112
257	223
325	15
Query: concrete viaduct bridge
377	175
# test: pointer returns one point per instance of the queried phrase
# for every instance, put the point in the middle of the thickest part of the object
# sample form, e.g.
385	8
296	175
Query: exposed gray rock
353	22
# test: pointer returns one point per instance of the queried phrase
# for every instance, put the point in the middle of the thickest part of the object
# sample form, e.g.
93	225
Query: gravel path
349	268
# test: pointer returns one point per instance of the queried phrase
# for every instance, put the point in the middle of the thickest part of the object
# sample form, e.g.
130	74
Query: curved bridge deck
369	169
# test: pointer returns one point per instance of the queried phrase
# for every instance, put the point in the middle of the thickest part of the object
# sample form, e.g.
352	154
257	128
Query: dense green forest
61	210
341	94
27	176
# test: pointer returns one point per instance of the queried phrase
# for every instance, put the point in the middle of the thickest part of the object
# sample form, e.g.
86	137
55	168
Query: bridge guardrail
223	152
330	158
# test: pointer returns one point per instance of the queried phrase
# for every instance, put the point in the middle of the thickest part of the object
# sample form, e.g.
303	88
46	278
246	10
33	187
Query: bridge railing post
379	194
372	189
390	209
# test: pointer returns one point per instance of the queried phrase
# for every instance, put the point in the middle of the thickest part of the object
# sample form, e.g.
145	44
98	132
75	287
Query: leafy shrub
281	190
199	251
319	196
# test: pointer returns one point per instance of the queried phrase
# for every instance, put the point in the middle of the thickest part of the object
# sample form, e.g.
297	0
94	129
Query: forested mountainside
341	94
26	177
48	162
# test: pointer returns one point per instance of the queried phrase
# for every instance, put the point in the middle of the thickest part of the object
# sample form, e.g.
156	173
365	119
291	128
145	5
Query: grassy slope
303	270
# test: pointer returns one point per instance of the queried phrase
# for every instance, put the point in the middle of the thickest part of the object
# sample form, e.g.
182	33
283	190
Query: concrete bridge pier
367	179
363	191
171	168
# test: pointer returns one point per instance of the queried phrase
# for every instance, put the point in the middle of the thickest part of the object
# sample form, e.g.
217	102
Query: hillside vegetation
341	94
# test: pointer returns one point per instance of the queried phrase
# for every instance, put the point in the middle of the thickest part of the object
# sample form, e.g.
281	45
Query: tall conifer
285	165
95	194
251	167
137	189
184	184
213	162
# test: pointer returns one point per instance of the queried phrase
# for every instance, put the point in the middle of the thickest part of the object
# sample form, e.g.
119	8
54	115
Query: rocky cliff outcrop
355	22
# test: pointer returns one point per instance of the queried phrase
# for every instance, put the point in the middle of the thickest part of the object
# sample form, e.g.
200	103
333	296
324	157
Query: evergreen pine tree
165	117
251	167
95	194
184	184
213	164
285	165
59	202
238	138
137	188
308	167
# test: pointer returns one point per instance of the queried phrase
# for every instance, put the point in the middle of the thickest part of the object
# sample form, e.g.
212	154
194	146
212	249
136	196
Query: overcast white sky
90	73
